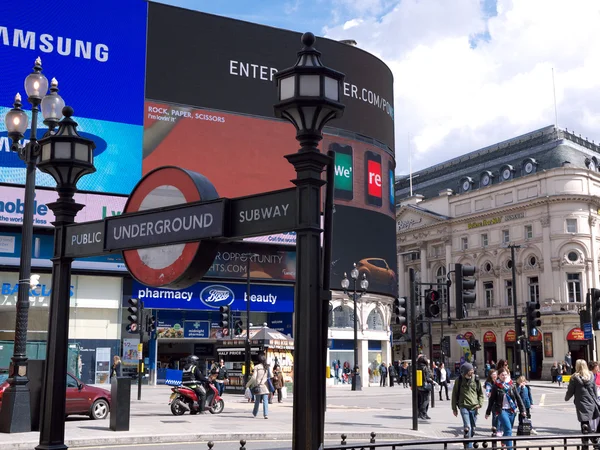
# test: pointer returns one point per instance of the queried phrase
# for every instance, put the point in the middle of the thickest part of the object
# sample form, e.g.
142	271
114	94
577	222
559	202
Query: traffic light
135	310
151	324
432	306
224	323
520	331
464	288
238	327
400	311
595	294
533	317
446	346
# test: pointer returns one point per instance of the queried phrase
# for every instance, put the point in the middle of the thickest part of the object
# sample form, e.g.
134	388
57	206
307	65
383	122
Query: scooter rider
192	375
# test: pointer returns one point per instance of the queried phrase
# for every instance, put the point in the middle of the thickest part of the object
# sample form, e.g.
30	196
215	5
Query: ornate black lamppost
309	96
67	157
15	415
354	296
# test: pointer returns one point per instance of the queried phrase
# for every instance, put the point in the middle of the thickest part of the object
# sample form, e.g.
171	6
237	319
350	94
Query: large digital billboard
209	108
96	51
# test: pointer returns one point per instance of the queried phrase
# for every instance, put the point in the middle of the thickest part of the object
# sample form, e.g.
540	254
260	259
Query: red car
81	399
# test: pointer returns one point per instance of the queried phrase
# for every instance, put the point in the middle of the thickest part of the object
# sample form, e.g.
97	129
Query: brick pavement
386	411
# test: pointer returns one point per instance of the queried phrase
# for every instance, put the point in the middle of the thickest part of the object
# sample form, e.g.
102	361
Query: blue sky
467	73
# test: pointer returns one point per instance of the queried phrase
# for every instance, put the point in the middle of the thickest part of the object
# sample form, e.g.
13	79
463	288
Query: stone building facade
541	192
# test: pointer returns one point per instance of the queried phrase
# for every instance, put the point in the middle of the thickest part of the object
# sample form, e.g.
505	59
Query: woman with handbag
258	386
583	389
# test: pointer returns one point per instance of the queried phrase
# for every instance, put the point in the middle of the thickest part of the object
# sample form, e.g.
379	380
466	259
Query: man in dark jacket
195	379
221	377
467	397
383	374
425	389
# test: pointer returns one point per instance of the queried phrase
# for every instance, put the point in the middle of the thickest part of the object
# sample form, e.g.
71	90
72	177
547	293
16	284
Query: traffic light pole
517	366
413	351
247	343
140	349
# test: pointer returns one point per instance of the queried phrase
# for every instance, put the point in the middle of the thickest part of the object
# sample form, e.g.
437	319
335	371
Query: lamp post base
15	414
356	382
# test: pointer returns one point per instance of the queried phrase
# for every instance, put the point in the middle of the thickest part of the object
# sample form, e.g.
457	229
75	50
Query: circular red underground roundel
175	266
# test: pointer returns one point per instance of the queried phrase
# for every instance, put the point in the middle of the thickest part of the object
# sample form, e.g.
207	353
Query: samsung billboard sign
98	58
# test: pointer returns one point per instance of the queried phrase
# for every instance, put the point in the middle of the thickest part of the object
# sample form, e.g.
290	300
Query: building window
437	251
571	225
484	240
343	317
412	256
440	278
488	288
534	290
505	237
528	232
464	243
574	287
375	320
508	291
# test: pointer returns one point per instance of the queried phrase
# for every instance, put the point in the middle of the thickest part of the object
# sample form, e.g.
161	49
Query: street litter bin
120	403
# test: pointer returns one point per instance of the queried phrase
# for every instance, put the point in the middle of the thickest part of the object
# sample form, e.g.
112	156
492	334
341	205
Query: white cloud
453	98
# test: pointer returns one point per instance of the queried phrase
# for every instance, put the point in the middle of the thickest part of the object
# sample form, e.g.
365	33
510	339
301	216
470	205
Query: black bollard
120	393
343	439
210	444
243	444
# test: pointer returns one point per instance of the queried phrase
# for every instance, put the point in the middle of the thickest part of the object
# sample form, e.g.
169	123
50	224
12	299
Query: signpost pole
52	426
247	371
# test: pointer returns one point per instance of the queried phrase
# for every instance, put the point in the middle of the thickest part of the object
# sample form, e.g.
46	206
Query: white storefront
553	216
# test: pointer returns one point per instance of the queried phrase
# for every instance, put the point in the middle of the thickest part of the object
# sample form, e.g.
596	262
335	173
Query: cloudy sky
468	73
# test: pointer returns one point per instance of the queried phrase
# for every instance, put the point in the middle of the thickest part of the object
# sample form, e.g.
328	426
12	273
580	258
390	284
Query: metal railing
572	442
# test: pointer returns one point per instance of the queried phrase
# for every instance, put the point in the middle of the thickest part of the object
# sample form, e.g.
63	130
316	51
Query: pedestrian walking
382	375
583	390
595	369
404	369
258	386
116	370
391	374
489	382
524	391
467	398
444	378
278	381
554	372
221	377
426	387
504	403
569	363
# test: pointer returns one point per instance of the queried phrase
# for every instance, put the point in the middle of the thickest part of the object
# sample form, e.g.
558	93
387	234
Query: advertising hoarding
236	61
211	296
97	206
367	239
98	58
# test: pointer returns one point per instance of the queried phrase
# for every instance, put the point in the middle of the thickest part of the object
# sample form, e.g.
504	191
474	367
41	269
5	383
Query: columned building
540	192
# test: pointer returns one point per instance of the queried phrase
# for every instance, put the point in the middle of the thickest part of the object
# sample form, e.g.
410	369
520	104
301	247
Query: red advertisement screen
375	182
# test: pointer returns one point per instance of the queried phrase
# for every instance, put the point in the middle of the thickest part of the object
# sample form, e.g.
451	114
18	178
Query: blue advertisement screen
98	57
211	296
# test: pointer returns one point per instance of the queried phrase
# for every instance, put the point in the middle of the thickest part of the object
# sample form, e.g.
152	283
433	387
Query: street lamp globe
354	273
36	84
345	282
52	105
364	283
309	94
66	155
16	121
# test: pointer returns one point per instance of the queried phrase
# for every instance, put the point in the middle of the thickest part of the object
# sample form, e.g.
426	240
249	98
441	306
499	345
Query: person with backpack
504	403
467	398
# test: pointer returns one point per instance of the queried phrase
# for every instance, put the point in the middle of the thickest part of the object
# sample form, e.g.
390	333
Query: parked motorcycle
183	399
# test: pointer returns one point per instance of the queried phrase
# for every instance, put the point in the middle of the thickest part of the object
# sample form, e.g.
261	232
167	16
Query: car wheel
100	409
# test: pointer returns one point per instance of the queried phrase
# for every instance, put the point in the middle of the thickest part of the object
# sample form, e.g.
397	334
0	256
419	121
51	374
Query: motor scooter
184	397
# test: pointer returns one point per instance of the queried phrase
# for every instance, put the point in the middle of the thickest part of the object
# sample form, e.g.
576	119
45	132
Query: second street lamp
355	295
15	415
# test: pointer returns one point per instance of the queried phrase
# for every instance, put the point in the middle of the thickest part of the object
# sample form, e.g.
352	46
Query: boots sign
170	207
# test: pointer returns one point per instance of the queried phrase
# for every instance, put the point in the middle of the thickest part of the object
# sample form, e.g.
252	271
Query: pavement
383	410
